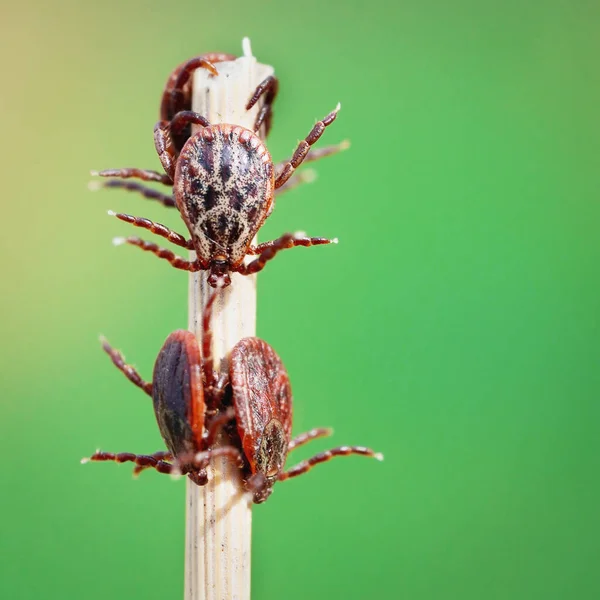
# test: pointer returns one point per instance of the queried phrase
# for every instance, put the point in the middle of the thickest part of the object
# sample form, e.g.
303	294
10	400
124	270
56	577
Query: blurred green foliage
455	327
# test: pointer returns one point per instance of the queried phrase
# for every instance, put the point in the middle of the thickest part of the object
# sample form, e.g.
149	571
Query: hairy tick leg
203	458
268	250
316	154
157	228
161	455
303	148
308	436
307	465
177	95
147	461
207	358
132	186
128	173
173	259
215	426
165	148
127	370
305	176
268	87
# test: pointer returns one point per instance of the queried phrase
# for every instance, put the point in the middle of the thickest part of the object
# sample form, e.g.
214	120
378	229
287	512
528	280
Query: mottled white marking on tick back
239	199
299	235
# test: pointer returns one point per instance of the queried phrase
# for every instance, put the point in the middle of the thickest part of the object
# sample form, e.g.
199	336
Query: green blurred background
454	328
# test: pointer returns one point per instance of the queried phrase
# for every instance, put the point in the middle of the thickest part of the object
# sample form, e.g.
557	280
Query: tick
252	401
177	93
224	182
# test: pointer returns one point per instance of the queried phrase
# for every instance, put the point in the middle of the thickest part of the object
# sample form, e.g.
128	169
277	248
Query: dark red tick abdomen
262	397
178	394
224	183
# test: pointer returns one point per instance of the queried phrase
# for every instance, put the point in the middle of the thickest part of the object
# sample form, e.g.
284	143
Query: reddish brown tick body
192	404
223	180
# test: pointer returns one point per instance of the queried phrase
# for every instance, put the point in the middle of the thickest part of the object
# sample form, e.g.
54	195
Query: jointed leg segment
157	228
268	250
308	464
127	370
143	174
303	148
176	261
146	192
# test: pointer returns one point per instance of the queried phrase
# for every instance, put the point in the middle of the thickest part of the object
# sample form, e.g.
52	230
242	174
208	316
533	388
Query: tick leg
305	176
303	148
308	464
128	173
160	455
176	261
268	250
165	148
127	370
202	458
290	240
317	154
308	436
268	86
183	92
145	461
184	73
184	118
207	359
157	228
131	186
216	425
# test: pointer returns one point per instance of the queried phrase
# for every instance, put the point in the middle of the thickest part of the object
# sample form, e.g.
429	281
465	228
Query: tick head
271	453
260	487
219	272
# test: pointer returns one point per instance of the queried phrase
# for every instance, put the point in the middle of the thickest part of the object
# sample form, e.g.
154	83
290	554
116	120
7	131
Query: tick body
252	402
187	398
223	186
223	180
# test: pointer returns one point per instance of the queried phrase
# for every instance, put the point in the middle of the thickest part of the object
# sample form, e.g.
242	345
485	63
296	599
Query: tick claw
85	460
378	456
94	186
111	213
118	241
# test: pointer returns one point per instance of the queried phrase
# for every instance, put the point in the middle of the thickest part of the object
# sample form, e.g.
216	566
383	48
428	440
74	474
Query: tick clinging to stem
223	180
252	402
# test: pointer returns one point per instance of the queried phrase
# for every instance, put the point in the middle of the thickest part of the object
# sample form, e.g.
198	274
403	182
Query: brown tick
192	404
223	180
